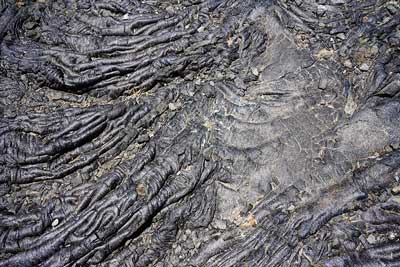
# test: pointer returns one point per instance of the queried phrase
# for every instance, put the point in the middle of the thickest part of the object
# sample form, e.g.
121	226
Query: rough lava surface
199	133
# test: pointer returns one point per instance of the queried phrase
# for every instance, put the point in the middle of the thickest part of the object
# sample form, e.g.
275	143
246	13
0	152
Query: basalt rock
199	133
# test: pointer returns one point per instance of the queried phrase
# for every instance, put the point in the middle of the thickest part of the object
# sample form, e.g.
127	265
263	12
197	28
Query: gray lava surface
199	133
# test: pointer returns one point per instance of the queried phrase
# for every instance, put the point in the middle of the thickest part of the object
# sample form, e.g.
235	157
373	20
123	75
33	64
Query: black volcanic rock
199	133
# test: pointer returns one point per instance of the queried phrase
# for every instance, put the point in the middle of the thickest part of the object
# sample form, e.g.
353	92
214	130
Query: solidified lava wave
199	133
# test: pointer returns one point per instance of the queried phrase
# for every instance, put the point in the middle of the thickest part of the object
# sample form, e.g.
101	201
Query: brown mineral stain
141	190
19	3
250	222
324	54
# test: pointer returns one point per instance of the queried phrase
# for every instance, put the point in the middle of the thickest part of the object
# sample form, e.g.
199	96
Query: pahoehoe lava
199	133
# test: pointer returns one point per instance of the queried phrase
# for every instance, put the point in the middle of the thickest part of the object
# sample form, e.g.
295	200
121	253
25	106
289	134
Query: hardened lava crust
199	133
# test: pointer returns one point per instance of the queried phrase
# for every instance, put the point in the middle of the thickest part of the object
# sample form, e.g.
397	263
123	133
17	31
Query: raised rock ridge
199	133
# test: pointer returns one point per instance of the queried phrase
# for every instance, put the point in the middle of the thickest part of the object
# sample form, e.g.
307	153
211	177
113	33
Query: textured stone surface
199	133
